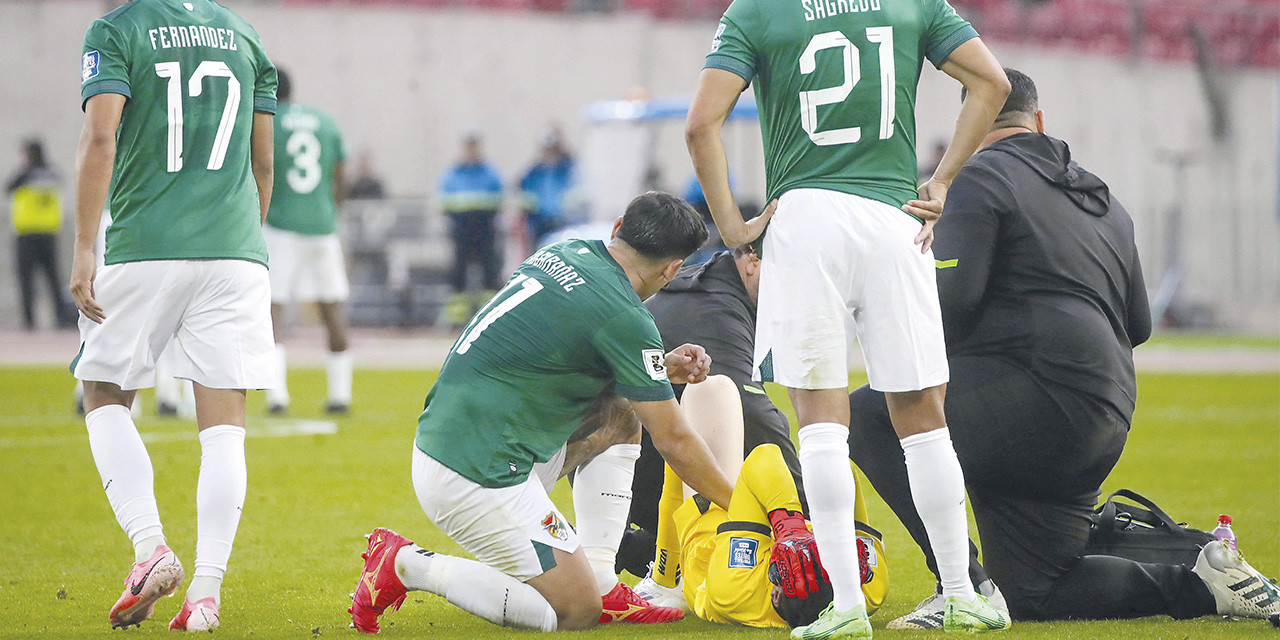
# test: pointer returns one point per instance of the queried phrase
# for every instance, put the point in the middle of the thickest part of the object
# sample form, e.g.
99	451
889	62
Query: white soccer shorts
214	315
512	529
305	268
837	265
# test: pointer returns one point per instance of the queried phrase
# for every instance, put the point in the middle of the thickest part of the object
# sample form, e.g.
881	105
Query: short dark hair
1022	101
660	226
284	88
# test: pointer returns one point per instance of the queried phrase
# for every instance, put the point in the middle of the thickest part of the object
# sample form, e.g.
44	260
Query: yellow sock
666	561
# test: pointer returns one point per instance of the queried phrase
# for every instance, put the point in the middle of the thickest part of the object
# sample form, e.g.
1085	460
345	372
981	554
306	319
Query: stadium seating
1236	32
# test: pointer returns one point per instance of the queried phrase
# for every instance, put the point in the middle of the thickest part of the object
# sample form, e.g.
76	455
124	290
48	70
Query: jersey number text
811	100
195	87
491	312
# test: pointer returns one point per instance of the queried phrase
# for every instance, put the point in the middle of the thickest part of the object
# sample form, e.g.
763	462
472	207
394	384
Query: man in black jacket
1042	303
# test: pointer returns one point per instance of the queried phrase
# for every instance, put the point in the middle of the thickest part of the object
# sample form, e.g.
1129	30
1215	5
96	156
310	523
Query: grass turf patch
1200	445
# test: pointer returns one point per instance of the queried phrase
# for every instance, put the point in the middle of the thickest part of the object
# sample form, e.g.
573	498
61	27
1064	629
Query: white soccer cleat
931	611
1238	589
661	596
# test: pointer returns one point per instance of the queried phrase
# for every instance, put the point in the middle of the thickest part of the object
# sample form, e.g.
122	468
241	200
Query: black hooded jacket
1037	264
707	304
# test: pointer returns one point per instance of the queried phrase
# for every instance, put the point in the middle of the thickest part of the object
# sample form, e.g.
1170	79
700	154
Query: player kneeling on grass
755	564
516	385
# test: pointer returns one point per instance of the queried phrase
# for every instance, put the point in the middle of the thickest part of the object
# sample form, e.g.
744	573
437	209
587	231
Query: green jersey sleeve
732	49
104	64
946	30
632	348
264	86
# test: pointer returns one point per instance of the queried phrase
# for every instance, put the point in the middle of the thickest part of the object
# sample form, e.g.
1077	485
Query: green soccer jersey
194	73
308	147
518	381
835	82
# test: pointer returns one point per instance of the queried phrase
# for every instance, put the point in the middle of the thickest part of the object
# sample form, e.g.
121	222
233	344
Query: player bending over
514	388
757	563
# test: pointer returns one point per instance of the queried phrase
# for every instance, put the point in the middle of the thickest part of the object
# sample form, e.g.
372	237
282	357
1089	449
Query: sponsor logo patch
655	363
742	553
555	526
715	43
89	66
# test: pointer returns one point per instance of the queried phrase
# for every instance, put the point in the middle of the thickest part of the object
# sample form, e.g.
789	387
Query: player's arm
95	156
339	183
262	152
987	85
684	449
717	93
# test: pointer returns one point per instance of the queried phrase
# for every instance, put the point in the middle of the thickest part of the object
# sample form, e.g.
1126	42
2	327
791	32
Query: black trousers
1034	456
475	241
39	252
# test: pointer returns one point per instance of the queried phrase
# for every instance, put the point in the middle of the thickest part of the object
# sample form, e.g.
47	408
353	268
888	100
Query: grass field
1200	445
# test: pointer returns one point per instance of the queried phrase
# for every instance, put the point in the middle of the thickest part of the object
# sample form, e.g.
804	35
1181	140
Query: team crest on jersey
555	526
742	553
655	363
89	66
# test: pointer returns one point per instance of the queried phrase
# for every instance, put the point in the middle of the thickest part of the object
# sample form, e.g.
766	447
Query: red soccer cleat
201	615
624	605
147	582
379	586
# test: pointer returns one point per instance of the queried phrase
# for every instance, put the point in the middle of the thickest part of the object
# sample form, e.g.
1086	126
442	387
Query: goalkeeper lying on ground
756	564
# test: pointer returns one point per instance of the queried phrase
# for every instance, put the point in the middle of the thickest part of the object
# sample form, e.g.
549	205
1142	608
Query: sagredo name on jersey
819	9
192	36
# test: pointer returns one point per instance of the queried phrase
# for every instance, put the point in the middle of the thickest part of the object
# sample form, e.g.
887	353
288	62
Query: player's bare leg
129	482
823	415
220	492
278	396
339	366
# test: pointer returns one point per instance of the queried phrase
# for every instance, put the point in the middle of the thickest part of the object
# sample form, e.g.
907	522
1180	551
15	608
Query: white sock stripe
923	439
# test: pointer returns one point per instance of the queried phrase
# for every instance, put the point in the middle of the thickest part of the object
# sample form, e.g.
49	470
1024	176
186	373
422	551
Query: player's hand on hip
84	268
933	196
749	230
688	364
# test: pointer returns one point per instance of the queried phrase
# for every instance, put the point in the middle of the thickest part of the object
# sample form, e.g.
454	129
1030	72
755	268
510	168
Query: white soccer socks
339	373
127	476
220	492
937	488
278	394
476	588
829	484
602	502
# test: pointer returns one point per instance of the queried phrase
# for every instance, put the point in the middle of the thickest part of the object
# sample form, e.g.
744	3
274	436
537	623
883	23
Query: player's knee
579	613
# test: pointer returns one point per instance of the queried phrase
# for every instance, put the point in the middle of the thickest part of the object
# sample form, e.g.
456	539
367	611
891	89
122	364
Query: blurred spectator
365	186
927	168
471	195
545	187
37	215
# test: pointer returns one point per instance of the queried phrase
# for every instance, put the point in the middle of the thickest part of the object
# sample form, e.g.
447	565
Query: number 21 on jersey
811	100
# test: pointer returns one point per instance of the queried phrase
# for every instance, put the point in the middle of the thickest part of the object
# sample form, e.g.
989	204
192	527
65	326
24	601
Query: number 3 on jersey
195	87
811	100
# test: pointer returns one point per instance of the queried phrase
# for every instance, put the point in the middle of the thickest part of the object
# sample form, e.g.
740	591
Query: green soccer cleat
832	624
973	617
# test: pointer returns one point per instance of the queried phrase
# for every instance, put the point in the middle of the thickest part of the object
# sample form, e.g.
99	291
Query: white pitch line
277	428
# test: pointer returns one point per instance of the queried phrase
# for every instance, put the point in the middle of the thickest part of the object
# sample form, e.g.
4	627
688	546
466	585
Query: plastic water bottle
1223	531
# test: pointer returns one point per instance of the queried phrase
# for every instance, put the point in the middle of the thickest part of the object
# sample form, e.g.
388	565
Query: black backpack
1142	533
